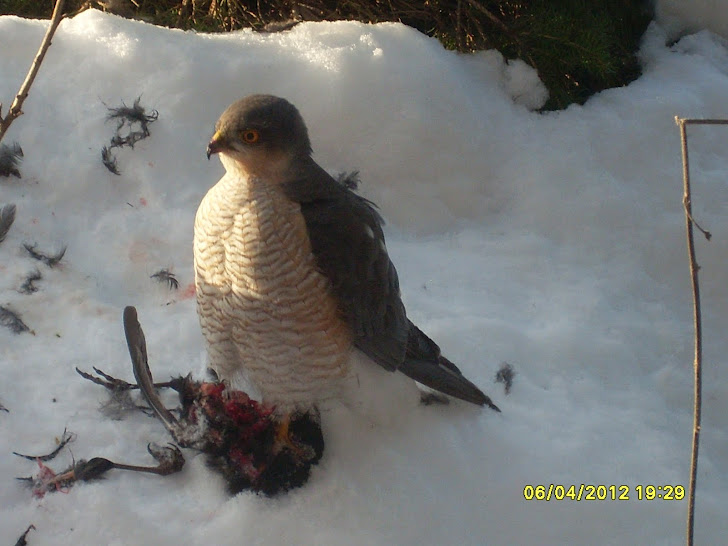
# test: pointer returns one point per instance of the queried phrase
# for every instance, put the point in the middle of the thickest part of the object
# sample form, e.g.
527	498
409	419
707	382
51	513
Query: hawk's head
258	132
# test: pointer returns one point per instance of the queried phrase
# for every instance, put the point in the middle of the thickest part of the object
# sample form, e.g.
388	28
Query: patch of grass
579	47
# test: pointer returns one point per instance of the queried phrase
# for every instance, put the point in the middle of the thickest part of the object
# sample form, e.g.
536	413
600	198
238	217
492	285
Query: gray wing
347	239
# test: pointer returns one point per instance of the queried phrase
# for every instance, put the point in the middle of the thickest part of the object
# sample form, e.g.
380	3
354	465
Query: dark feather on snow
50	261
66	438
349	180
120	401
136	120
505	375
109	160
7	217
28	287
10	157
12	320
126	116
136	114
164	275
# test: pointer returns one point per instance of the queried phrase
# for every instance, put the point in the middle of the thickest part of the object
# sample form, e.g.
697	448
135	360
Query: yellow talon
284	440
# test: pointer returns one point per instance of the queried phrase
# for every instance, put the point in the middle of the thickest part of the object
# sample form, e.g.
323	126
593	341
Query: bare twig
698	363
17	105
500	24
482	9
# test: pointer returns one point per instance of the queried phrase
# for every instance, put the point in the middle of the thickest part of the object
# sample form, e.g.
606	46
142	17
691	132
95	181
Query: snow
554	242
679	17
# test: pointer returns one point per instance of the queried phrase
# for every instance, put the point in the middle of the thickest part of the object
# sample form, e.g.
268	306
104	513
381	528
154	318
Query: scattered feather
164	275
120	404
349	180
66	438
505	375
3	408
7	217
49	260
28	287
109	161
10	319
10	158
125	115
132	125
120	401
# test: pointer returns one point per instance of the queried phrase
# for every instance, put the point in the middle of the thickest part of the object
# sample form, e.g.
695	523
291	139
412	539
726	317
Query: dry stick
698	364
16	107
505	28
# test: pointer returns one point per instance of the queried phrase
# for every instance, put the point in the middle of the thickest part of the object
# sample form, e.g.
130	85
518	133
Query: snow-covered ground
554	242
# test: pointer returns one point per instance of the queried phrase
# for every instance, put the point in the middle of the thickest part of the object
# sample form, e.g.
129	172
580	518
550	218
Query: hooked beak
217	144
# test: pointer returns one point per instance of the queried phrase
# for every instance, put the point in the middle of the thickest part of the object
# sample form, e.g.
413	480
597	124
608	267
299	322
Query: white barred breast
266	312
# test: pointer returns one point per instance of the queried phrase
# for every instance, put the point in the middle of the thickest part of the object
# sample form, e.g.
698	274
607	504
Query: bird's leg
170	460
169	457
283	436
301	434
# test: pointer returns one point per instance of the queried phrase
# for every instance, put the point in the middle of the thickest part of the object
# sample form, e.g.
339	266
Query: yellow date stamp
590	492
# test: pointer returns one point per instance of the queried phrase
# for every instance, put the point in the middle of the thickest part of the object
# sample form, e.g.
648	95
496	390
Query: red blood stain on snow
142	202
188	292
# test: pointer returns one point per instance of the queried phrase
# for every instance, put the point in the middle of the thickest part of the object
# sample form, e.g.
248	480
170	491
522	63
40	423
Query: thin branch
505	28
17	105
485	11
698	363
696	121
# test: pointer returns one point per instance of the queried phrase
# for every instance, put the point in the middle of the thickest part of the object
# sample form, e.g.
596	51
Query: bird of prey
292	272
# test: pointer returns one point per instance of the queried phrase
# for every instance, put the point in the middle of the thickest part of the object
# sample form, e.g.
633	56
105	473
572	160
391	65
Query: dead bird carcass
240	436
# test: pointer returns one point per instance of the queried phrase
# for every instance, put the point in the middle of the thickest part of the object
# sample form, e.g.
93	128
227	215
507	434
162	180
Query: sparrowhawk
292	272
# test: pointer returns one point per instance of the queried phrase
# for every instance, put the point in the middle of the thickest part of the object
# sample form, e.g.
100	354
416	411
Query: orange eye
251	136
